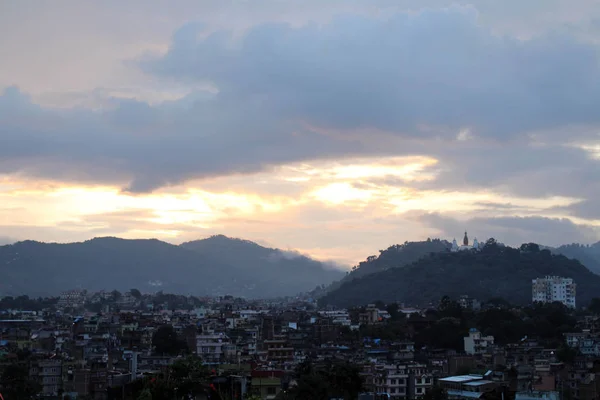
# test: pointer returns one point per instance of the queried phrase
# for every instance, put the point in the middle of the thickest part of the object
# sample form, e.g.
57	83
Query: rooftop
461	378
463	393
478	383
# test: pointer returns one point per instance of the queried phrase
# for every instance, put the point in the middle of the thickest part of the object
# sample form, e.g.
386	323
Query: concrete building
554	288
48	374
211	347
409	381
469	303
475	343
467	387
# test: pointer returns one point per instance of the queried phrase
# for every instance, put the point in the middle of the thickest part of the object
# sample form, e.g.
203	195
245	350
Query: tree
166	341
16	383
185	379
595	305
135	293
394	310
331	380
436	393
116	295
566	354
146	394
530	247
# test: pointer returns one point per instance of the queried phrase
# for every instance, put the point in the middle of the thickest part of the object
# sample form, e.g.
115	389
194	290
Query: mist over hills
213	266
588	255
412	272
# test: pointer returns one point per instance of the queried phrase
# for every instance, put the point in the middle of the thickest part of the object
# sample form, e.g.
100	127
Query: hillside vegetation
214	266
495	271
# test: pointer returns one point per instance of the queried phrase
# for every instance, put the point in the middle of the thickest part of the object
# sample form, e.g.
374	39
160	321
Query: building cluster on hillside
254	346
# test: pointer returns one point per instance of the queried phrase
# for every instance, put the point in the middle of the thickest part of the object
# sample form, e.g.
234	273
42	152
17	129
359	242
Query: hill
495	271
398	255
395	256
37	268
288	271
588	255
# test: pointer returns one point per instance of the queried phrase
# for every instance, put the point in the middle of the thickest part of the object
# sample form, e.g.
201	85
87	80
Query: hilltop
495	271
214	266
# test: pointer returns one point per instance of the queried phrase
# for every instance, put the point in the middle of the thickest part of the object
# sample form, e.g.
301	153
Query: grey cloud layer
435	69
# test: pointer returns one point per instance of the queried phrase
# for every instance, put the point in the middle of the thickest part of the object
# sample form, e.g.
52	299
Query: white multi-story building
212	348
554	288
410	381
475	343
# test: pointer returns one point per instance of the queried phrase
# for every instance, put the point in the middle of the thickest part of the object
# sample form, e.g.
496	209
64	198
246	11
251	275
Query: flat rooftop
461	378
478	383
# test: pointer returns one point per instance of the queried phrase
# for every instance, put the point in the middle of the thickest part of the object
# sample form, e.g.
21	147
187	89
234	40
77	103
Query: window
393	382
419	390
271	390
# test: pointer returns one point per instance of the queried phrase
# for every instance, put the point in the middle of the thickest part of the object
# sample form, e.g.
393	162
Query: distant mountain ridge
213	266
588	255
496	271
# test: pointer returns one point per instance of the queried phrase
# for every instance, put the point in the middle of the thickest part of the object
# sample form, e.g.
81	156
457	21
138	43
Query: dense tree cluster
398	255
165	341
26	303
445	326
330	380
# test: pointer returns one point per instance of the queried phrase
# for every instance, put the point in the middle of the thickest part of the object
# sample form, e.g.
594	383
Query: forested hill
398	255
395	256
495	271
214	266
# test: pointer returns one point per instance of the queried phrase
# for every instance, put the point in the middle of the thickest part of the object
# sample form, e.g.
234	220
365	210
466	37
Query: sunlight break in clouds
333	129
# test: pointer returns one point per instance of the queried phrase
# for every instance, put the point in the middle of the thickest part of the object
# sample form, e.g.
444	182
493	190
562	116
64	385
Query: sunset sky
335	128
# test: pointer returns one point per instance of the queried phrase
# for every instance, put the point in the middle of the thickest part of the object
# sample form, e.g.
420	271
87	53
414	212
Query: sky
332	128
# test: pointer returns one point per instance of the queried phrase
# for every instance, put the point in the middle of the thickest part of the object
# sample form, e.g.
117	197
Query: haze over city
334	129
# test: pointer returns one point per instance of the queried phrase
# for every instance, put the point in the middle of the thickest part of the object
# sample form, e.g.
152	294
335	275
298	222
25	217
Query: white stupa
465	245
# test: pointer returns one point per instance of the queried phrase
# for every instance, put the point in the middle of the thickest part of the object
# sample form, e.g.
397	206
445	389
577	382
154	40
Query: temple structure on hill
465	244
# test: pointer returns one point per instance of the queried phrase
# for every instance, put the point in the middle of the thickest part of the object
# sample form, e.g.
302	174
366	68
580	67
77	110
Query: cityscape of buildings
253	347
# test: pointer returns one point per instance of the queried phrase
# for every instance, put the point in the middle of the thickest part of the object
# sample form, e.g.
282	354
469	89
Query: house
475	343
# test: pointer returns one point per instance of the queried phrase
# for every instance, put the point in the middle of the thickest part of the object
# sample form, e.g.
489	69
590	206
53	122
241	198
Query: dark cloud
513	231
436	67
416	76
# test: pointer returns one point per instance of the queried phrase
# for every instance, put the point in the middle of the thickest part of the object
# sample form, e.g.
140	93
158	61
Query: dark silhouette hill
276	268
495	271
395	256
398	255
108	263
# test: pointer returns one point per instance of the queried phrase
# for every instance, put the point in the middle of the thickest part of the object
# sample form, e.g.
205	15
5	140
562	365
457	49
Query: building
211	347
469	303
409	381
48	374
475	343
369	316
467	387
465	246
72	298
554	288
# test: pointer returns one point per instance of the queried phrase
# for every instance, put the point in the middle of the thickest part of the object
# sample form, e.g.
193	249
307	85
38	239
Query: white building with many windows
476	343
554	288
